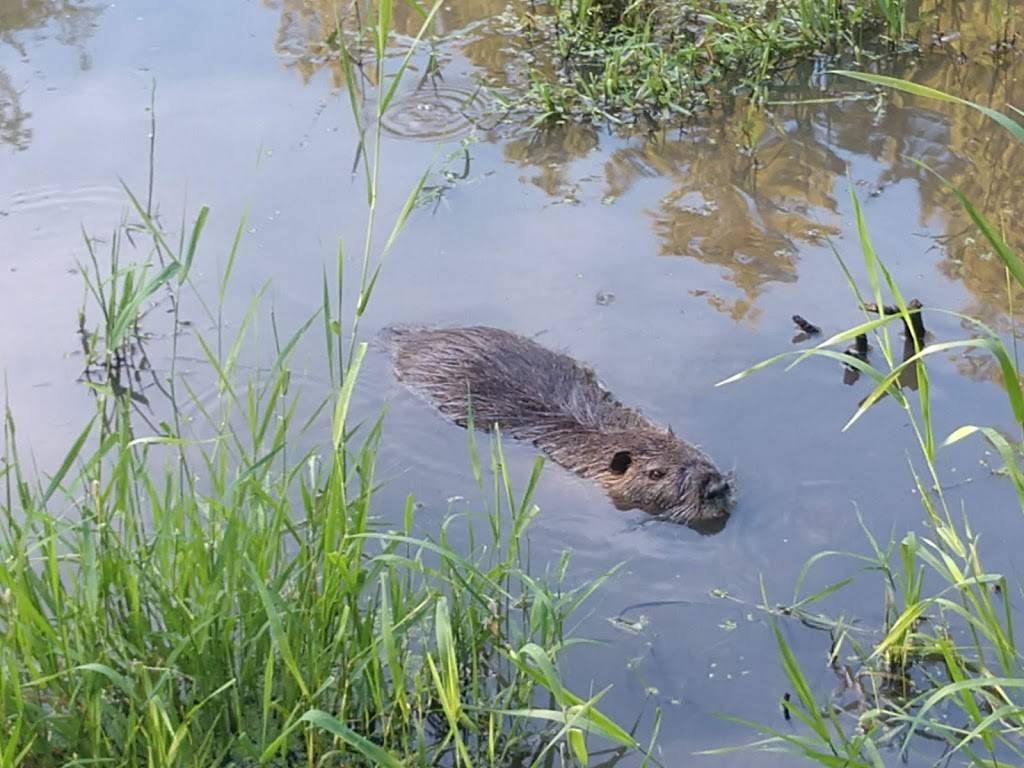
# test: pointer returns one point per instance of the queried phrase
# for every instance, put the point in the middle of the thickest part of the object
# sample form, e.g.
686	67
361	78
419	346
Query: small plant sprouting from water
114	350
454	169
946	665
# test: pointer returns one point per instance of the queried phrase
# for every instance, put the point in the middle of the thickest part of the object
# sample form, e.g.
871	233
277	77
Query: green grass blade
193	243
916	89
414	43
129	312
1008	257
345	396
69	459
277	632
365	747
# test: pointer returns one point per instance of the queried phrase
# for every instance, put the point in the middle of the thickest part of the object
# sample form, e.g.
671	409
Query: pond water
666	259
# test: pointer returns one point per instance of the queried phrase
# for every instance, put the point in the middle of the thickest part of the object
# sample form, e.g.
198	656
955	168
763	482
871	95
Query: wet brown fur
550	400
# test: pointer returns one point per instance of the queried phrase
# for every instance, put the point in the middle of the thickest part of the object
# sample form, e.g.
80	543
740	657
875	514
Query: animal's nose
716	487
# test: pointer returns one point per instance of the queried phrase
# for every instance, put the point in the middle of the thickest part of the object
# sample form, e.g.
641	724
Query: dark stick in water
860	346
809	328
914	308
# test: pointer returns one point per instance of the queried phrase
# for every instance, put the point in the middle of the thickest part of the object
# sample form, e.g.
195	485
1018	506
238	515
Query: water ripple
432	112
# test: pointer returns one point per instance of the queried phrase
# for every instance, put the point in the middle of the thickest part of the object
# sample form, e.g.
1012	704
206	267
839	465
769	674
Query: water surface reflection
22	22
709	236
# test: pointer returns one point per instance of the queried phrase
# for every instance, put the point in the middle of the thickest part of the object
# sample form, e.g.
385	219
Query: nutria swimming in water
550	400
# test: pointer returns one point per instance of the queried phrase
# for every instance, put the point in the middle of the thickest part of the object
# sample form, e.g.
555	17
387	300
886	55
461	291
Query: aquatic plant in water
617	60
945	666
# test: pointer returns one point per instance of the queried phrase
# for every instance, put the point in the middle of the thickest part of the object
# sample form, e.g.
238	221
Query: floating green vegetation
946	666
617	59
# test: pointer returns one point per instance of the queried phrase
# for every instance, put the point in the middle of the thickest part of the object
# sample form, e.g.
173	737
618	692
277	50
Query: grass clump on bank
237	602
619	59
946	667
218	587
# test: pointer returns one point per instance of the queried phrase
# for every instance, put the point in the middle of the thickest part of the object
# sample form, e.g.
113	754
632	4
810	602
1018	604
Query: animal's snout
716	487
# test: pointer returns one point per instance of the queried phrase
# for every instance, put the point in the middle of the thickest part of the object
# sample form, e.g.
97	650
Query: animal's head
657	472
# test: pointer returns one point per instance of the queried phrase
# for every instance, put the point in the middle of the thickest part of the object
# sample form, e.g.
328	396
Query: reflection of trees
981	365
71	20
304	34
981	159
72	23
307	31
550	150
13	130
724	208
748	213
727	210
988	173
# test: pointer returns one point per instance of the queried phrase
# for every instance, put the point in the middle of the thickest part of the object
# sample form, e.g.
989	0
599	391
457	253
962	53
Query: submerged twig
914	307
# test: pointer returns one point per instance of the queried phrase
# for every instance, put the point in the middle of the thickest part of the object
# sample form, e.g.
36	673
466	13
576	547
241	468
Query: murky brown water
667	259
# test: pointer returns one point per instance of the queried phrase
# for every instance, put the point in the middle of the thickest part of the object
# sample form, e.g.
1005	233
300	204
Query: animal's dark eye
656	474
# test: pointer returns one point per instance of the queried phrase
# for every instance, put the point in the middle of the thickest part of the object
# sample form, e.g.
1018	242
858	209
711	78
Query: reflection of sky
217	106
527	242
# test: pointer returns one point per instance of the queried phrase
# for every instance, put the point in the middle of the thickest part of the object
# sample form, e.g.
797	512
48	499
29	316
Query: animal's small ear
621	461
